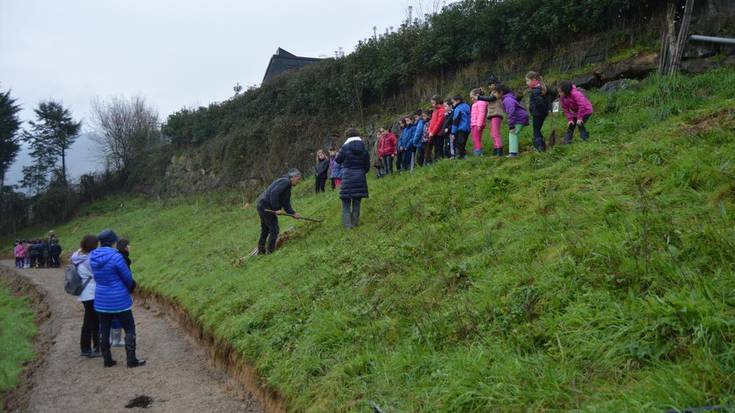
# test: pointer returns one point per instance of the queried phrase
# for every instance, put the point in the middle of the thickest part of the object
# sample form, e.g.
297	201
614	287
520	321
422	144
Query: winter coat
54	249
479	113
387	144
576	105
81	260
494	106
335	169
418	134
35	250
277	196
322	168
437	121
517	114
19	251
461	118
355	161
537	105
406	139
113	279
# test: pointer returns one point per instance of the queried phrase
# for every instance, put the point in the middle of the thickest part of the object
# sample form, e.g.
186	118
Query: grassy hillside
16	337
596	277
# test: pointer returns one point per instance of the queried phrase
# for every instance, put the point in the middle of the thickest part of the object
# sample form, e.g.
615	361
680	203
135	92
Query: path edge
224	356
17	399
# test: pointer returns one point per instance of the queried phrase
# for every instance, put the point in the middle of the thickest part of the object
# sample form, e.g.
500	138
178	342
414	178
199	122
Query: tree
9	126
126	130
50	137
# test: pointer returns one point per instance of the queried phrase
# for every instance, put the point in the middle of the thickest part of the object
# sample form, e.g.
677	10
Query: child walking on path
321	170
517	118
477	122
577	108
539	108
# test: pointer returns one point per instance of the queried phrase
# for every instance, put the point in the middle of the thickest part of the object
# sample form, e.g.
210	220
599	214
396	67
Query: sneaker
512	155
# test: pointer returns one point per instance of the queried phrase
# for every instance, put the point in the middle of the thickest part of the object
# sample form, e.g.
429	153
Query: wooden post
667	39
681	41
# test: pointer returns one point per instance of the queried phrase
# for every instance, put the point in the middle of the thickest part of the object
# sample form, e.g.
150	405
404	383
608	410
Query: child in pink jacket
20	254
478	119
577	108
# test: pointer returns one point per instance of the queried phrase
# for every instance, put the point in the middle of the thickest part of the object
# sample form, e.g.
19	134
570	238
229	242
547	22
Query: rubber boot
107	355
567	138
130	351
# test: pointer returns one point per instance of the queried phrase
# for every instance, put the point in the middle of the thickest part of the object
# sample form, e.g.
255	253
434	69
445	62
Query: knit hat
107	237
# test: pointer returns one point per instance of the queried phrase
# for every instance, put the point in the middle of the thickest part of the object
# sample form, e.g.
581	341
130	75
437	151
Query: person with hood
321	169
478	121
517	117
387	147
577	108
54	252
436	130
494	115
112	297
276	197
404	144
461	117
417	141
355	160
90	338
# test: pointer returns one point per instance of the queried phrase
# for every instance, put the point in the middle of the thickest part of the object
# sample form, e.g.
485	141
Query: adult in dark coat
275	198
355	161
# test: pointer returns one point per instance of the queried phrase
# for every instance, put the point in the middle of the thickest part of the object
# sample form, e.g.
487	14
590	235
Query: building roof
284	61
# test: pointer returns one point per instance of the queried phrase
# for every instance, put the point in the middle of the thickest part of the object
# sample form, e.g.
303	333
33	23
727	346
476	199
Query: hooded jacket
322	168
576	105
335	169
387	144
406	138
418	134
461	118
537	104
113	279
437	121
517	114
80	259
20	251
355	161
277	196
479	113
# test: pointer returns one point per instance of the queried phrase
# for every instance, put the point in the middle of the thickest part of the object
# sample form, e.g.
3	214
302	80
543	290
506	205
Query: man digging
270	203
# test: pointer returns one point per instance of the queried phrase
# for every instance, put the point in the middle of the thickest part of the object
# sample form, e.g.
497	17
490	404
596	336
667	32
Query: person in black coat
54	251
355	161
321	170
275	198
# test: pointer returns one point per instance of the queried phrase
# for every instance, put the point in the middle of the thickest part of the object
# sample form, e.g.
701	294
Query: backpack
73	281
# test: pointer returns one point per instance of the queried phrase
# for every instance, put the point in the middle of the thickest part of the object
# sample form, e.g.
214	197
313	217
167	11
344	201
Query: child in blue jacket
460	125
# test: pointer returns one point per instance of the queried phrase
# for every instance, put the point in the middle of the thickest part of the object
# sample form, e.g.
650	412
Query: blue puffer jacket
418	134
355	161
113	281
461	118
406	140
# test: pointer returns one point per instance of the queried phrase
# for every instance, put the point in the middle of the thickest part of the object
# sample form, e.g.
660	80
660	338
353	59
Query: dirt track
178	376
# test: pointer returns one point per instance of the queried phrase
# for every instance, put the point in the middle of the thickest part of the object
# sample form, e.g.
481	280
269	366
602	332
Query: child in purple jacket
577	108
517	117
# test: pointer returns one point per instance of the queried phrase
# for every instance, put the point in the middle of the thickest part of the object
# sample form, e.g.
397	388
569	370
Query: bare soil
179	376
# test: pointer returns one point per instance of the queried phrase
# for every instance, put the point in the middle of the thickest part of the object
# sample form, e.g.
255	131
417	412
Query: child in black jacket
539	107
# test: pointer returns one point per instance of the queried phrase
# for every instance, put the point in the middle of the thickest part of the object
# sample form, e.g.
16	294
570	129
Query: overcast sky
175	53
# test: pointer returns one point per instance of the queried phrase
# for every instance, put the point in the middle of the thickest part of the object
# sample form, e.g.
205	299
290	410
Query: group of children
38	253
443	132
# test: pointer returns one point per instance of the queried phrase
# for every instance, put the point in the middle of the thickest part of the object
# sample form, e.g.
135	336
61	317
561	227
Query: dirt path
178	376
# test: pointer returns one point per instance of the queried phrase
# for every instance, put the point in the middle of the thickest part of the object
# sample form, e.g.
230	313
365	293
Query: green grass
17	329
595	277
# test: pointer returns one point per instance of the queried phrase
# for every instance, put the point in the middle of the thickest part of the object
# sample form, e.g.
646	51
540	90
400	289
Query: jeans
538	136
351	212
407	159
90	338
583	133
460	144
321	182
438	144
268	230
126	320
388	164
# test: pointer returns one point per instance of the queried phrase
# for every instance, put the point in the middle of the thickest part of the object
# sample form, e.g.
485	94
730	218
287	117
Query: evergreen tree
50	136
9	126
